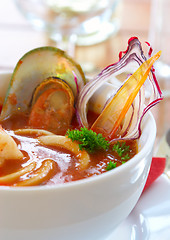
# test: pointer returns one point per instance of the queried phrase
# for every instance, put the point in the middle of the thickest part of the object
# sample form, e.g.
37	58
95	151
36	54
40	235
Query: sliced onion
127	65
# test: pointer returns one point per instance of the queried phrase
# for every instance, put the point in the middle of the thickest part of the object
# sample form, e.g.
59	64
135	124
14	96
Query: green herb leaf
88	139
111	165
126	157
121	149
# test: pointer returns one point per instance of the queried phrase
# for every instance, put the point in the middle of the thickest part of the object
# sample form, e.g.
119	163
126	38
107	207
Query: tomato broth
66	167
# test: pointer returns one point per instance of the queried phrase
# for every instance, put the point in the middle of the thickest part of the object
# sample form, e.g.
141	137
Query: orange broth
67	166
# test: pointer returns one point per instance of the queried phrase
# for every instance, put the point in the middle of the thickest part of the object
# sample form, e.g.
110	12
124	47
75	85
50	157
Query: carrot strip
110	119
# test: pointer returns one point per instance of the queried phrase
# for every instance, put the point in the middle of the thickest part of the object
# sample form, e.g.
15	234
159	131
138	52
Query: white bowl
88	209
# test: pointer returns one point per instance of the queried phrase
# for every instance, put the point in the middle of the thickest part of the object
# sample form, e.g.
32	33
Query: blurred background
133	18
17	35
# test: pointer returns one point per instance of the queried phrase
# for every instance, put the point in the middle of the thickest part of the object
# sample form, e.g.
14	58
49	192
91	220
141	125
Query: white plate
150	219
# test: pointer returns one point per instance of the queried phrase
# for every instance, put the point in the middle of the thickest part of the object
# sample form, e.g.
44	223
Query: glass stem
67	43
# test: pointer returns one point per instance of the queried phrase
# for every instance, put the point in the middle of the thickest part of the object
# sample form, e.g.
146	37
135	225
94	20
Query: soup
65	165
56	129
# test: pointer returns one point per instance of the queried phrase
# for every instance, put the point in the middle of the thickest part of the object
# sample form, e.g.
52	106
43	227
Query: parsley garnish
88	139
110	165
126	157
121	149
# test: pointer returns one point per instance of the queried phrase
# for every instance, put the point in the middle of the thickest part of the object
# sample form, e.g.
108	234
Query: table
17	37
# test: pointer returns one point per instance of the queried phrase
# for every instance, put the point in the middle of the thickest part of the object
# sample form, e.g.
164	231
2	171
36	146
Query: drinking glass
73	22
159	37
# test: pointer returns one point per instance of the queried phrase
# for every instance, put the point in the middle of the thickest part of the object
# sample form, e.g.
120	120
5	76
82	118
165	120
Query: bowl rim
93	179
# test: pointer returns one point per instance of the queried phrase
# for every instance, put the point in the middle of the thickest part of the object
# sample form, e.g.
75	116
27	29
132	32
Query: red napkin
156	169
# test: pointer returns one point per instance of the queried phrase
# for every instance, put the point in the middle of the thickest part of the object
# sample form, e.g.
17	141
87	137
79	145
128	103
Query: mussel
52	106
45	90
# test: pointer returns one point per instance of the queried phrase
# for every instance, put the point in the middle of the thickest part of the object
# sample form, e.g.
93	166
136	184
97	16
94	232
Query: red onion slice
131	60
